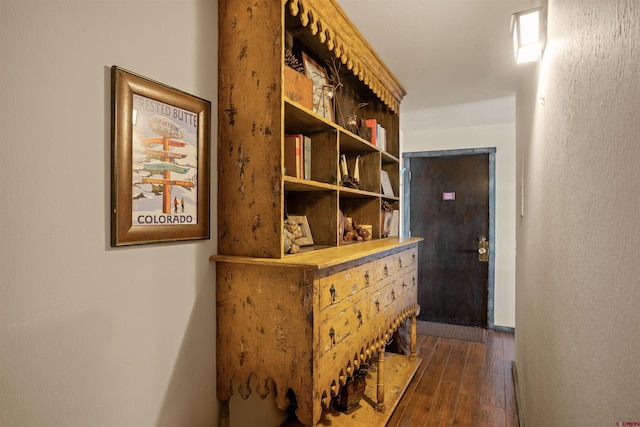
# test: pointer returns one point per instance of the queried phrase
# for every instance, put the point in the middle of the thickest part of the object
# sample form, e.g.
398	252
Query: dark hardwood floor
461	383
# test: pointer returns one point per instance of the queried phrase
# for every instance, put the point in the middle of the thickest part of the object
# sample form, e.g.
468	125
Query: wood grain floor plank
477	353
490	416
493	390
461	384
444	404
466	414
495	360
471	381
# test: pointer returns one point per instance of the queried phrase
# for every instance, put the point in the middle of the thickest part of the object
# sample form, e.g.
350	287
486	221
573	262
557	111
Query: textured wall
578	335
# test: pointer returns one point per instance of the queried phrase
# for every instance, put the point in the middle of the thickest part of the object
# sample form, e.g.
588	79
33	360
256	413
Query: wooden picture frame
303	222
322	99
160	149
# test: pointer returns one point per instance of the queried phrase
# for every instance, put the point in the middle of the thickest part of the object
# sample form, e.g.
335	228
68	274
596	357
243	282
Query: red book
372	124
293	160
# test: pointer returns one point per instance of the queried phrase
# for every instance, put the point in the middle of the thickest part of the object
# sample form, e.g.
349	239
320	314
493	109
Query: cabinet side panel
265	329
250	129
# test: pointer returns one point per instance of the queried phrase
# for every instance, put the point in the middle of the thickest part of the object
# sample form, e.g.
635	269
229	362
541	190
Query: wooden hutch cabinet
304	322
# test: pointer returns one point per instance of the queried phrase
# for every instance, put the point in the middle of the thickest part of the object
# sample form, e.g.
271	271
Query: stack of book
297	156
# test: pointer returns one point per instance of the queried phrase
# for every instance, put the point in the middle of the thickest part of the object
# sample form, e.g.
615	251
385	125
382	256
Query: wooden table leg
412	345
380	404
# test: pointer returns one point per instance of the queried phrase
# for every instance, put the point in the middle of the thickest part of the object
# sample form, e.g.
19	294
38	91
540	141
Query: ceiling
444	52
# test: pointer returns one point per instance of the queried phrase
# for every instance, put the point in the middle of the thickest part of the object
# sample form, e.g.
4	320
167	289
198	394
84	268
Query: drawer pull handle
332	335
413	257
377	303
413	280
360	317
366	278
386	270
404	285
400	263
393	294
333	293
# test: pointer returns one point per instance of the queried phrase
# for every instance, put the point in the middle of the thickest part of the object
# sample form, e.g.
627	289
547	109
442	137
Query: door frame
406	208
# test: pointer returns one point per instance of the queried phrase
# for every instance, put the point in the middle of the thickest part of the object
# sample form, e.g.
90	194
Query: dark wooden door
449	207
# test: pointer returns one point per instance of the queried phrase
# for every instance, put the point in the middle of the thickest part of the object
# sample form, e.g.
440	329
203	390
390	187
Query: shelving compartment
323	141
363	209
393	171
320	208
353	147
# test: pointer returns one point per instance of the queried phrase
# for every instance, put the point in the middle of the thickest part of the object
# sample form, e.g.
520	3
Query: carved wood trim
327	21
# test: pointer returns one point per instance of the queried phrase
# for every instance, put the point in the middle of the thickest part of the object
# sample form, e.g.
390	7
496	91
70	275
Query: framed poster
322	91
160	144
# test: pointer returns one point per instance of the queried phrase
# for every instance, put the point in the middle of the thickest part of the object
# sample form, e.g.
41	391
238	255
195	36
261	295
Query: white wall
90	335
482	124
577	341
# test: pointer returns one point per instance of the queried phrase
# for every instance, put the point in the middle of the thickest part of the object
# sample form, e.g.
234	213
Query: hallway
461	383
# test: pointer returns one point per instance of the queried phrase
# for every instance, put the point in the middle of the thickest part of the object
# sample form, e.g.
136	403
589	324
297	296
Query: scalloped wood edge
267	384
328	22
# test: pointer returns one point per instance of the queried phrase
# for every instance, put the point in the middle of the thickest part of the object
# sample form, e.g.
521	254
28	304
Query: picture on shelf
385	183
322	90
303	222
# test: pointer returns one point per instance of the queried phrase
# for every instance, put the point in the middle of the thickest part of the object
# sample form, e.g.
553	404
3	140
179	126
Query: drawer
341	285
336	309
387	266
392	264
407	258
347	322
384	297
408	281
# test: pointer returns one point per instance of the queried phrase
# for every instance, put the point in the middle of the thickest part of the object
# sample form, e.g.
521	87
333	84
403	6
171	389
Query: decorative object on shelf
348	399
351	230
364	131
364	231
348	180
357	125
160	162
298	88
290	60
322	91
386	216
306	239
334	66
292	232
351	124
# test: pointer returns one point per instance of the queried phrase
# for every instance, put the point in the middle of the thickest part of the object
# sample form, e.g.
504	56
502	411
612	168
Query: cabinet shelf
299	184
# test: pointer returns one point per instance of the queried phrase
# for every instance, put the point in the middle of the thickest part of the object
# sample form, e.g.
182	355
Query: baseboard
507	329
516	386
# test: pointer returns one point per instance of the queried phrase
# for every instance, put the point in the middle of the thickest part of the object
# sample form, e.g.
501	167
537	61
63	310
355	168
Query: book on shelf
297	156
306	155
382	138
394	227
372	124
378	134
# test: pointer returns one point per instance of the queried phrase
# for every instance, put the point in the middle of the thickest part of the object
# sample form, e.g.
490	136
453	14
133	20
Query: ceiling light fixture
528	29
